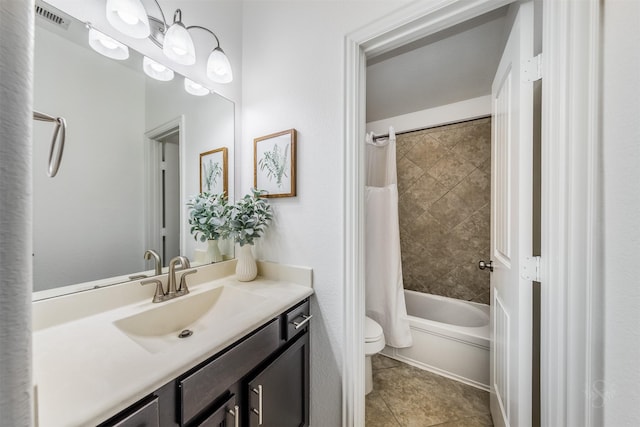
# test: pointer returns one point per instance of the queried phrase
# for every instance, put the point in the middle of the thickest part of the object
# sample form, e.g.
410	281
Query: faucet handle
183	289
159	296
184	262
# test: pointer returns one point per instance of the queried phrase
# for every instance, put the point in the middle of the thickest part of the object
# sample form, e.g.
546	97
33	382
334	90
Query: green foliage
208	216
274	163
249	218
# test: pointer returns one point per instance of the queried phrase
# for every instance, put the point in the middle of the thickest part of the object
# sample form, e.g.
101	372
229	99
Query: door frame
152	190
571	182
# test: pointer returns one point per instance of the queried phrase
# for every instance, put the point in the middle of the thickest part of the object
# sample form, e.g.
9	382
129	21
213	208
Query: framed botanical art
274	164
214	171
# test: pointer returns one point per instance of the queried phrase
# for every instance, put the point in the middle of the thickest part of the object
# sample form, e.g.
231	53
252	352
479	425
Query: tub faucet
183	264
149	253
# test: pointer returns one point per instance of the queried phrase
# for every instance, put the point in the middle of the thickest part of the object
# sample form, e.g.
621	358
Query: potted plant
248	220
208	217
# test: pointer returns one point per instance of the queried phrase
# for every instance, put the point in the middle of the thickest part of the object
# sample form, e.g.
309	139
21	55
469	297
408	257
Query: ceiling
450	66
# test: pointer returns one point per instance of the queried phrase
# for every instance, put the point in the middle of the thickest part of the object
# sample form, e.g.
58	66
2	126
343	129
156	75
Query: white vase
246	268
213	252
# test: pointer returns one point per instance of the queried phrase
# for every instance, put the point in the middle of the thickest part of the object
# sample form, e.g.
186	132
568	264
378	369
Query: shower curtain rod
432	127
391	132
55	156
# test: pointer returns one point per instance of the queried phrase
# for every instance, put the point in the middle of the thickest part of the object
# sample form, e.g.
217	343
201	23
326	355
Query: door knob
484	265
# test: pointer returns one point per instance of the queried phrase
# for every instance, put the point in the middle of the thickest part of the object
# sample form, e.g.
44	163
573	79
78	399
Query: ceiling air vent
52	17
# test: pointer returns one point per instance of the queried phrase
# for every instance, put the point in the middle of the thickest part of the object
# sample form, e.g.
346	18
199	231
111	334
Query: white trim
408	24
571	303
442	115
152	180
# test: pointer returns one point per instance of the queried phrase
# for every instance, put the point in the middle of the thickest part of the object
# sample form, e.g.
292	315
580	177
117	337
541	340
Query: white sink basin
159	327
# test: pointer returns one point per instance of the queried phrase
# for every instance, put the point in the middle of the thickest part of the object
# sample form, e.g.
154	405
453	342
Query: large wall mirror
131	162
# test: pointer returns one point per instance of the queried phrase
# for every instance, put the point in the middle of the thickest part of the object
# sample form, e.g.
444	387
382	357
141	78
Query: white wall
293	66
92	206
437	116
620	393
208	124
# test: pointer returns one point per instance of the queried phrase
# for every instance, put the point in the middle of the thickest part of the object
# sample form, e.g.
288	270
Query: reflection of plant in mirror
249	217
208	216
212	172
275	163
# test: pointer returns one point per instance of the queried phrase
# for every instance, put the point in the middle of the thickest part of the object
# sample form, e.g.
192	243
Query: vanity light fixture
178	45
218	65
129	17
105	45
195	88
155	70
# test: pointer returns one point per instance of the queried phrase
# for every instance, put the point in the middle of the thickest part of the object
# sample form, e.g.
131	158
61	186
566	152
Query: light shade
219	67
178	45
195	88
107	46
156	70
129	17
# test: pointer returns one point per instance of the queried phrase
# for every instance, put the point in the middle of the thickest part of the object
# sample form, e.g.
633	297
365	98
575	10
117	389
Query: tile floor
404	396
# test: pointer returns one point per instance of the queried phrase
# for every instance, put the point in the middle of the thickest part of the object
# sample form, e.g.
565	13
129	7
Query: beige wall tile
444	184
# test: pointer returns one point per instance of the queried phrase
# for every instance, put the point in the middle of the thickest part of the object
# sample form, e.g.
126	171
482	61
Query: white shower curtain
383	267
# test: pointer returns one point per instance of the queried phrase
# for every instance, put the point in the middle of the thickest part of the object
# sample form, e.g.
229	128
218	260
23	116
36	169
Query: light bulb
107	46
158	67
218	67
178	45
195	88
129	17
156	70
108	42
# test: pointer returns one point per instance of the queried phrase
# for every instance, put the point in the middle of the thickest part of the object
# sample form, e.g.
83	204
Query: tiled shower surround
444	185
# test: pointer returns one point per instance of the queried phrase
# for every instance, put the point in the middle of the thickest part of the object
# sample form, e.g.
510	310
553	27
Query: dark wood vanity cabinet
262	380
279	393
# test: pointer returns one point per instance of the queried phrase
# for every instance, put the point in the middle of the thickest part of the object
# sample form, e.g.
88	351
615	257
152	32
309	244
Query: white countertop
87	370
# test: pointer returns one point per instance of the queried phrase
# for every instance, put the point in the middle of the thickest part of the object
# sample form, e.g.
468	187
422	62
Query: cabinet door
228	415
279	394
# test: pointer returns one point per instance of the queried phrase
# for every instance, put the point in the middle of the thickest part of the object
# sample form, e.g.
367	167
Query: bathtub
450	338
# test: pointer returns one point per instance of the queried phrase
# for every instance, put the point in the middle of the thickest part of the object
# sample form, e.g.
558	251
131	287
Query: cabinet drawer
144	416
200	388
296	320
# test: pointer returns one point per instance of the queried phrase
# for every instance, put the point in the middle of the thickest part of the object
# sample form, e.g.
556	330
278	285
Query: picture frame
214	171
274	164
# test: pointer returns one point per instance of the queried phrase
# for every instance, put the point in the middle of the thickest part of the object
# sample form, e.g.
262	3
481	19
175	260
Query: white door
171	200
511	228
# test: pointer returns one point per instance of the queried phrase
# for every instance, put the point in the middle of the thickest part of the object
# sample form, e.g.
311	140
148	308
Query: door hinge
530	268
532	69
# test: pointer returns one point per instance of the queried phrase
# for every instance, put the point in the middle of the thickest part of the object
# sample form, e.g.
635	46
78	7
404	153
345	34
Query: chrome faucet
149	253
177	263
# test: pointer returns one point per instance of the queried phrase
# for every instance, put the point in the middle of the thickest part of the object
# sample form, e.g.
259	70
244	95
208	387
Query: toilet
373	343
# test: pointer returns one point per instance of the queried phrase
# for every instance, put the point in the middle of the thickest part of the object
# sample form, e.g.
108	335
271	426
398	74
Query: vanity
226	354
104	354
